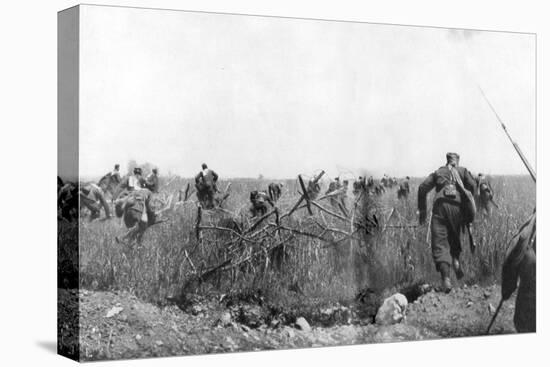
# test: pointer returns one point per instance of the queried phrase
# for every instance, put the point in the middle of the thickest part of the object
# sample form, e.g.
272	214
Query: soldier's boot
445	271
458	269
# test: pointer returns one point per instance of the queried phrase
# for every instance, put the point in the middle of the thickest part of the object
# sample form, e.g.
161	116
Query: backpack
468	202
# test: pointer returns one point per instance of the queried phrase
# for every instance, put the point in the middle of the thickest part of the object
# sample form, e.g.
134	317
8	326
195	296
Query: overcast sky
278	97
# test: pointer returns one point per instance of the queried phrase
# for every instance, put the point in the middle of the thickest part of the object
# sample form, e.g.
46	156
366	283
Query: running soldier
521	264
205	183
93	198
135	209
448	215
404	189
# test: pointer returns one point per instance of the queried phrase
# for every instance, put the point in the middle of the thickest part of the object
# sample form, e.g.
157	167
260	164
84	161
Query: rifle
494	316
516	147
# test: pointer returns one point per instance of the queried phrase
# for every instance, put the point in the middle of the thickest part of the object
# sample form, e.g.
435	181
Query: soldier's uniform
520	264
152	182
447	217
205	183
93	198
275	191
136	208
129	184
259	201
404	189
484	193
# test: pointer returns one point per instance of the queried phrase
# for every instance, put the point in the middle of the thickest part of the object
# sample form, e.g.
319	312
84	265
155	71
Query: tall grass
170	254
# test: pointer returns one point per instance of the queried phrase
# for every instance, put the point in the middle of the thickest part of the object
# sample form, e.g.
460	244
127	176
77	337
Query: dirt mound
118	325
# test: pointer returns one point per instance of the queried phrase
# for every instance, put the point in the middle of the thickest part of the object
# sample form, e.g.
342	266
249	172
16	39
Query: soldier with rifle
520	262
451	212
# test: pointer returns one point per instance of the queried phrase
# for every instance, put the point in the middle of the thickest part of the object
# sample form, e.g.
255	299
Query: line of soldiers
453	210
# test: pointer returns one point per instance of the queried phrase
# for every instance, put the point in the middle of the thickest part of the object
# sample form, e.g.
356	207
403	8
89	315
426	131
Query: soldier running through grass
206	185
137	214
448	216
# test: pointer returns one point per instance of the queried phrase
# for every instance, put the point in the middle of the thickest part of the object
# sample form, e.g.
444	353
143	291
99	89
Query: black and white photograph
235	183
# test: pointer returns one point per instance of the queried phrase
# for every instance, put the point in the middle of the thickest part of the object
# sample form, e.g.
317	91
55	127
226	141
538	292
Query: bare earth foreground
118	325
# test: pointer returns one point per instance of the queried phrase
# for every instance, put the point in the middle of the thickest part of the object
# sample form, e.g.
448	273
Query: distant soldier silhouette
93	198
404	189
484	193
205	183
448	215
520	265
275	190
152	181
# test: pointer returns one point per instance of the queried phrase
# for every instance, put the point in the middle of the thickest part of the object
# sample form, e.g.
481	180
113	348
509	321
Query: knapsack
468	203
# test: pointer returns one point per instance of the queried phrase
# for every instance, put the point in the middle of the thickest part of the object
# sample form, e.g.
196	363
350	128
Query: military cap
453	156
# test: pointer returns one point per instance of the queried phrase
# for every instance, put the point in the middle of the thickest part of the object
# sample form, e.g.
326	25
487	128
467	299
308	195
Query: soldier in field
206	185
275	190
137	214
152	181
404	189
484	193
93	198
260	203
520	265
130	183
448	215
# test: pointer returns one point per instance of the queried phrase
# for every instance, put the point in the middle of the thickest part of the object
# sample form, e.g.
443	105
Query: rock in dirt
196	310
392	311
289	332
302	324
225	319
114	311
